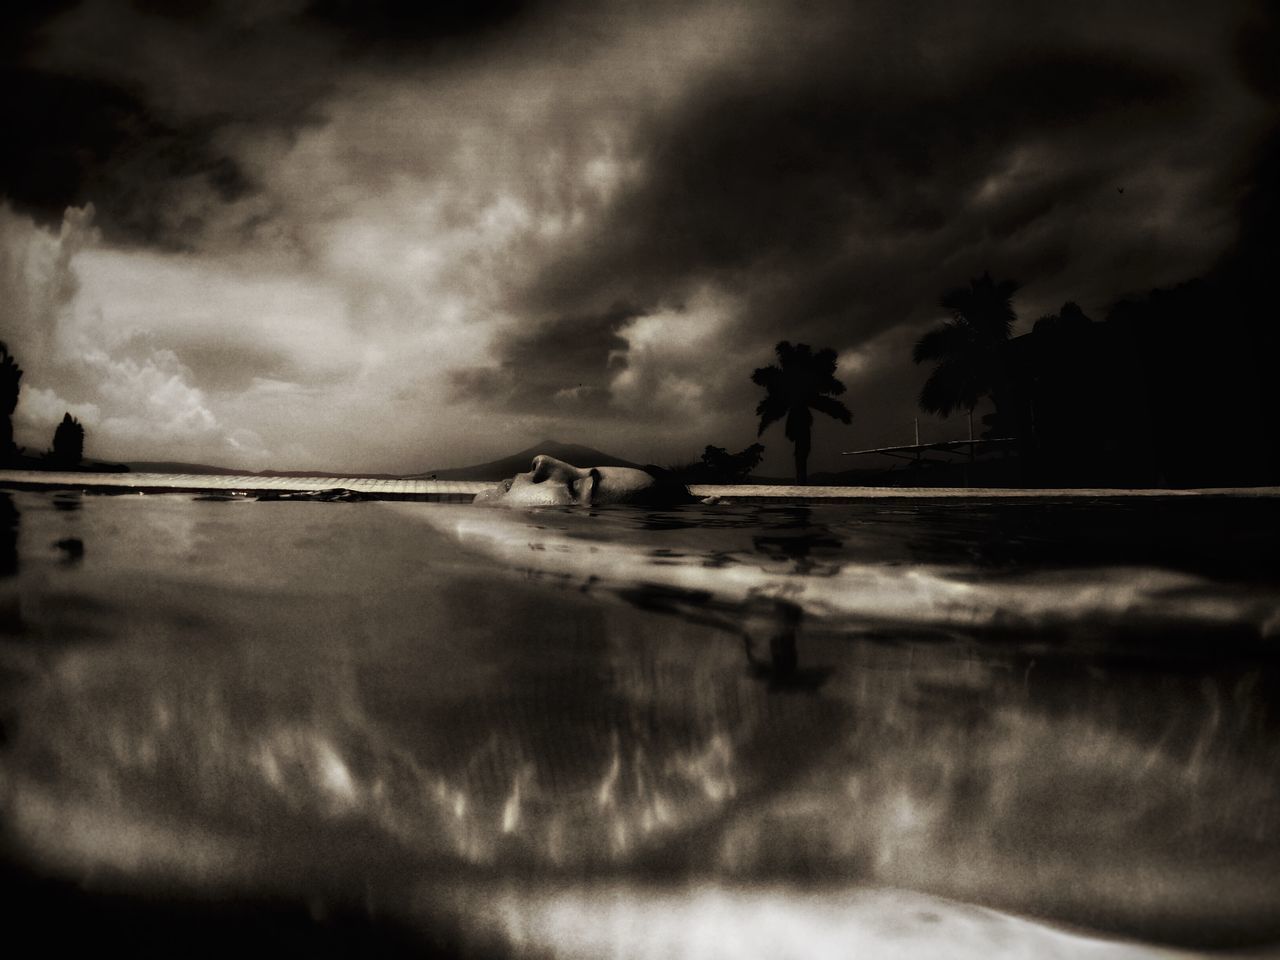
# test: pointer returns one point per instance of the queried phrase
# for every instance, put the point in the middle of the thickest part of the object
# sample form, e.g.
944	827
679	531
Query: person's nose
549	468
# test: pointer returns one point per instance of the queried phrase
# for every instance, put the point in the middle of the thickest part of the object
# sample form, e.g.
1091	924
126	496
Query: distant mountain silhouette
508	466
355	475
25	461
173	466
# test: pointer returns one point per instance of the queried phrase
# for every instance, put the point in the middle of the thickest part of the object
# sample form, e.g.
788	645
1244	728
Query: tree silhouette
718	465
968	348
10	381
68	442
800	382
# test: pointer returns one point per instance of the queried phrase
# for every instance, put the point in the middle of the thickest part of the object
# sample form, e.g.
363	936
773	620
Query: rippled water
740	730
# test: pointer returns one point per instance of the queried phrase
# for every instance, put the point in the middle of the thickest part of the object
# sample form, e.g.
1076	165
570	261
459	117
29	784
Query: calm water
749	730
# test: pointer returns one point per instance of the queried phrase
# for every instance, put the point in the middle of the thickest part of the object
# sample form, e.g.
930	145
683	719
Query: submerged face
553	482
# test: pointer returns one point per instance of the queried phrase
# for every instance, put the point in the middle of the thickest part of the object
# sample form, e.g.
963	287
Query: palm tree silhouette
800	382
967	348
10	380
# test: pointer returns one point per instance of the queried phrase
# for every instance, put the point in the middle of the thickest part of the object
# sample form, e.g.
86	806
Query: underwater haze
882	728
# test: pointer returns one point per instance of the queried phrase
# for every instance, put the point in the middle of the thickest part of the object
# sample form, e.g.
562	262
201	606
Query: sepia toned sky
381	236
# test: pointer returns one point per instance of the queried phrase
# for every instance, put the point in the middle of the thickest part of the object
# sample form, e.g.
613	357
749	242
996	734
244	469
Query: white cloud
673	359
246	447
151	397
71	359
36	279
187	300
39	412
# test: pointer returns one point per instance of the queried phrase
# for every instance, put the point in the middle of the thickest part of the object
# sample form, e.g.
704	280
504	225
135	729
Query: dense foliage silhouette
1168	390
967	350
68	442
718	465
10	383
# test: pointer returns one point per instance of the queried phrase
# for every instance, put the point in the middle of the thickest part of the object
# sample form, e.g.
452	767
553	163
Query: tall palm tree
800	382
967	348
10	379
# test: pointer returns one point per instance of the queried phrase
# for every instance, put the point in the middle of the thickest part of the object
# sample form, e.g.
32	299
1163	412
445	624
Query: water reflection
72	549
335	700
868	582
602	755
11	625
811	548
8	536
67	501
782	670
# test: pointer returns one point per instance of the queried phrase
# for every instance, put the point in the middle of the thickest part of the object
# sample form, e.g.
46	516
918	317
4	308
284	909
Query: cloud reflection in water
322	696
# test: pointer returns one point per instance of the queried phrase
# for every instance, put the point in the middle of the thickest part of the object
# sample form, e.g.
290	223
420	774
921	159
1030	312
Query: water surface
903	725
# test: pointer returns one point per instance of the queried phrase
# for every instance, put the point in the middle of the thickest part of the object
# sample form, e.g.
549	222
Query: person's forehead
622	473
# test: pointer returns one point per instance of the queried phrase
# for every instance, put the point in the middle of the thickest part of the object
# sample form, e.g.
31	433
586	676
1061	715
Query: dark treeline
1170	389
718	465
67	452
10	385
1176	387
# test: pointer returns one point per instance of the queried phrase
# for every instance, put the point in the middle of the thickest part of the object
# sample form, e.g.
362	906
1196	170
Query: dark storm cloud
227	366
402	23
780	178
89	134
836	191
560	367
123	102
1258	238
24	20
68	128
61	129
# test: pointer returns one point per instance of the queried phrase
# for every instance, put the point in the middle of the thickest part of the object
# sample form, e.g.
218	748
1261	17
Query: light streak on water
705	732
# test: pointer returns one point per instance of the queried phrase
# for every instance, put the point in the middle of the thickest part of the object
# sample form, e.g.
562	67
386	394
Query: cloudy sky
379	236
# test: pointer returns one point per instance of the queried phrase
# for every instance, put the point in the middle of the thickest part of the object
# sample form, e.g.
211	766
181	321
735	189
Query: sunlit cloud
672	361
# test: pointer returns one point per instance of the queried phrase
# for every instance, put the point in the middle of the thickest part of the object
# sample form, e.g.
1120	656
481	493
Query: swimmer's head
553	482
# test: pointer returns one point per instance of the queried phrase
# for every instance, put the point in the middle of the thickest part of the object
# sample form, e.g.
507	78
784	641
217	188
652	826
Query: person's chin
517	499
495	494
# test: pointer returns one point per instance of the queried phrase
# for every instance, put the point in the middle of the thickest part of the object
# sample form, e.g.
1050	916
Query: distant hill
328	473
24	461
508	466
173	466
